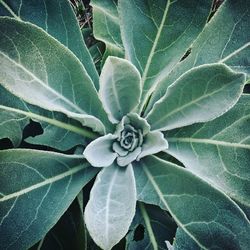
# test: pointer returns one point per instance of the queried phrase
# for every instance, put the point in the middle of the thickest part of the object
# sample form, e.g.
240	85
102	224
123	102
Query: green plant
161	127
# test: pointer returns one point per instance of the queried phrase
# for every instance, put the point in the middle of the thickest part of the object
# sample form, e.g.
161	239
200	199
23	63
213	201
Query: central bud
130	132
130	138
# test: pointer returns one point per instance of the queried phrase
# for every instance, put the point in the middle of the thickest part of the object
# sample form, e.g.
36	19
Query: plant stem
148	225
81	131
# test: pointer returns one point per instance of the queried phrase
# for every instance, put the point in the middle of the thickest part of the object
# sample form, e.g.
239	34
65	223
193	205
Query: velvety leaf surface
106	26
111	206
218	151
150	228
42	187
37	68
211	219
200	95
221	41
156	34
99	152
58	19
120	88
59	131
184	241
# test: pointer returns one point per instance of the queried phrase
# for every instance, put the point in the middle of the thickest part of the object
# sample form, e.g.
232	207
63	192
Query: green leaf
99	152
200	95
111	206
218	151
157	226
58	19
38	69
156	34
217	43
211	218
117	79
42	187
106	26
67	233
184	241
153	143
59	131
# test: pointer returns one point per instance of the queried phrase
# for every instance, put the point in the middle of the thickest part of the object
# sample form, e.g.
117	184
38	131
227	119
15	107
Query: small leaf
43	185
99	152
153	143
211	218
117	79
111	207
200	95
218	151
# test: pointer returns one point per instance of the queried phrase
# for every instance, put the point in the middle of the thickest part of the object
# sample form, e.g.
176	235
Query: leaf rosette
152	102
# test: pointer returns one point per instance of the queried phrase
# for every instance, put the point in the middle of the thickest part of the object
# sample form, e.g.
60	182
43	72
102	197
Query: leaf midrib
209	141
161	197
43	183
43	84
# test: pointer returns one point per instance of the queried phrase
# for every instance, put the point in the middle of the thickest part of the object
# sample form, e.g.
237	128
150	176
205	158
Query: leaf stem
10	10
81	131
148	225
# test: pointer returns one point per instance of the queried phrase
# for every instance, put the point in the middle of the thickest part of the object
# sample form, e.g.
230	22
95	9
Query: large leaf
42	187
218	42
58	19
106	26
35	67
156	34
68	232
117	79
111	206
200	95
218	151
156	225
207	215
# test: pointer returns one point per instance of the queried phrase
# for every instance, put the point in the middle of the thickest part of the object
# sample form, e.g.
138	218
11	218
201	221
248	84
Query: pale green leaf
38	69
111	206
153	143
58	19
99	152
156	34
120	88
218	151
158	227
200	95
59	131
207	215
226	38
43	185
106	26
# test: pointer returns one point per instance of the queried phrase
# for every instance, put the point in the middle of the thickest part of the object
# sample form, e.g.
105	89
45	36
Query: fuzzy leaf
218	151
217	43
106	26
111	206
156	34
211	218
99	152
58	19
153	143
42	187
200	95
117	79
38	69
